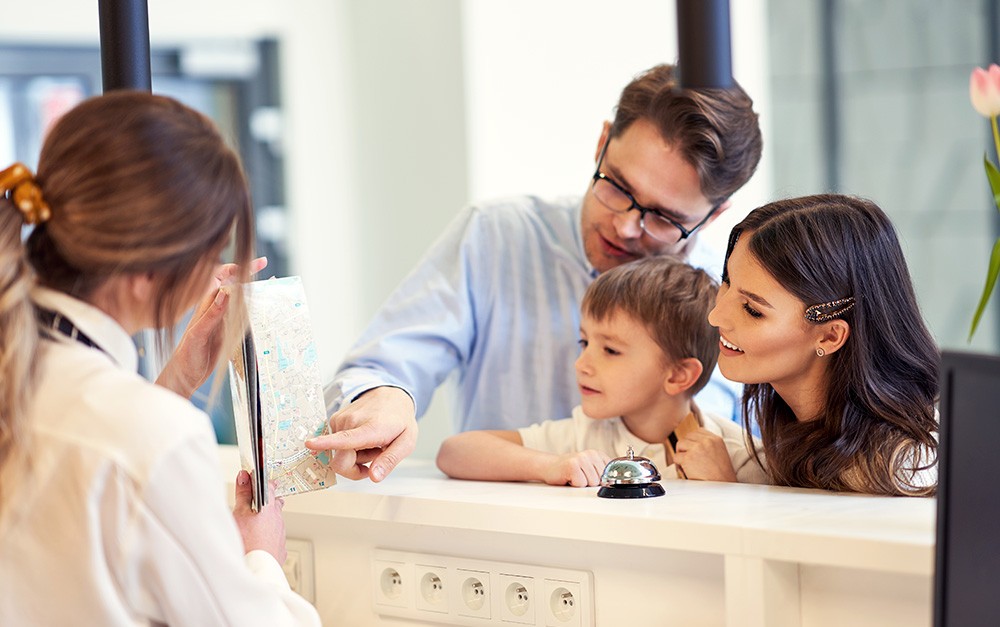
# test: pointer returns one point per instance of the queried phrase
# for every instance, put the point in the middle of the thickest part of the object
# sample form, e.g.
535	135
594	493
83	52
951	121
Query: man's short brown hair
716	130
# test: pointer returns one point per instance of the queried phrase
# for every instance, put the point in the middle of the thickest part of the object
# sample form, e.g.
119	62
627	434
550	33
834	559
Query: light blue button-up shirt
496	300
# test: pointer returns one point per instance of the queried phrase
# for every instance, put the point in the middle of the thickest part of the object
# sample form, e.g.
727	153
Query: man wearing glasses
496	299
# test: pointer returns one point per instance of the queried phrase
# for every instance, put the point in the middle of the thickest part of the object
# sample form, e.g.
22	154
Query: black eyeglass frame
685	233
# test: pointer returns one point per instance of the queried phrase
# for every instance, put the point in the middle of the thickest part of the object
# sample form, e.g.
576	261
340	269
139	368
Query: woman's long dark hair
877	429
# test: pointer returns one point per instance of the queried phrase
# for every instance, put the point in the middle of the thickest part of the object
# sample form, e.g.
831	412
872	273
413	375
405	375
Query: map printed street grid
292	409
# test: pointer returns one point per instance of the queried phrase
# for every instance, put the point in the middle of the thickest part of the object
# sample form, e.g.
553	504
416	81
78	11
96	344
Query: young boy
646	350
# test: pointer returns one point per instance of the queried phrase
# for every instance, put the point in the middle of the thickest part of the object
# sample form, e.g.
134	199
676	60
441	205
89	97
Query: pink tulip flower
984	91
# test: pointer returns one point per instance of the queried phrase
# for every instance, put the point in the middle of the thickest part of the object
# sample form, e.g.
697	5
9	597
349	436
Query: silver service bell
630	477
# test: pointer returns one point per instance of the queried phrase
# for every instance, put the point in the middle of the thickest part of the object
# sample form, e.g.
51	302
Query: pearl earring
820	352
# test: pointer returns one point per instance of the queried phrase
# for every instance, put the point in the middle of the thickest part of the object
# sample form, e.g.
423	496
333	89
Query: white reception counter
703	554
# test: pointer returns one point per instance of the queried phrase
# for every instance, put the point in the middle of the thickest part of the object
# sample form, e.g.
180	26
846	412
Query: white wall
542	77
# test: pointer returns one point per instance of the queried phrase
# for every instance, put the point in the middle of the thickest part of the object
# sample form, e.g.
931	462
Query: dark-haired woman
817	316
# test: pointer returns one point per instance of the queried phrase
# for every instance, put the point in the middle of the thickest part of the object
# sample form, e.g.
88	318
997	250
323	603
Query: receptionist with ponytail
111	504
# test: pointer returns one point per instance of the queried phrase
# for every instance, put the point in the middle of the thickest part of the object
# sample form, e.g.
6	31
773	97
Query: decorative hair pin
828	311
18	181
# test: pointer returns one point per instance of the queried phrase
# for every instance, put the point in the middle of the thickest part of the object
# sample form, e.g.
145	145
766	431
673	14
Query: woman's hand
263	530
703	455
198	351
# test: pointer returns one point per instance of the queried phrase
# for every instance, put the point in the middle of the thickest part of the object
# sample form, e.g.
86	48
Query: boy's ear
682	375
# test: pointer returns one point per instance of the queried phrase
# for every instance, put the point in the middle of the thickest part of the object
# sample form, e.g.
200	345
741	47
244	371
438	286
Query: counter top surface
808	526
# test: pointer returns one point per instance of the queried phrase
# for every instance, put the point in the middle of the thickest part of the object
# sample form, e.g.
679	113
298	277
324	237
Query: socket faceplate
468	591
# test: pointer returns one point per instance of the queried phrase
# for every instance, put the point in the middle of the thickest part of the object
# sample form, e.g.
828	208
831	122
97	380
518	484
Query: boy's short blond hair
671	298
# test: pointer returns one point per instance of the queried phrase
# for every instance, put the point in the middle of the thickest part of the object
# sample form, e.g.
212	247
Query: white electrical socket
438	589
393	583
517	593
432	593
298	568
560	602
473	589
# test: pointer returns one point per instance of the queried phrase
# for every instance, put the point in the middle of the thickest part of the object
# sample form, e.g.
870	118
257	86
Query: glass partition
872	98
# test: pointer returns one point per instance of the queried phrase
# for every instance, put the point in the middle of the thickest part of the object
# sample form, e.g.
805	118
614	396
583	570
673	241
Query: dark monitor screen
967	560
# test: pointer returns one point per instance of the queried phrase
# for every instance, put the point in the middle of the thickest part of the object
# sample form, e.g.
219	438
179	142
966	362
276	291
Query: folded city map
277	393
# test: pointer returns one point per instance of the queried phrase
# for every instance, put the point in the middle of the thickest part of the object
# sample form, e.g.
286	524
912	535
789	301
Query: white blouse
121	517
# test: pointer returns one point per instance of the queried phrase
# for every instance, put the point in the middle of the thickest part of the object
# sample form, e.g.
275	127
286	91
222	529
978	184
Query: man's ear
682	375
833	335
605	134
726	204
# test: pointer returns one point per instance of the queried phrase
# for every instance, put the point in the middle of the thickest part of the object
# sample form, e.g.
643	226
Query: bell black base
633	491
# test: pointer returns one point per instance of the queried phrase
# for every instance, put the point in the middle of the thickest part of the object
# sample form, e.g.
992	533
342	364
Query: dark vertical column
705	57
125	44
125	65
829	93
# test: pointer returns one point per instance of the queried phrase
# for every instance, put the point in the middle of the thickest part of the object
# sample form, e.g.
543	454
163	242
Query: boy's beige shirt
581	432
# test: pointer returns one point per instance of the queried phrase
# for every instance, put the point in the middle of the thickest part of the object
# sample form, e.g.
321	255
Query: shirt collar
697	413
578	235
97	325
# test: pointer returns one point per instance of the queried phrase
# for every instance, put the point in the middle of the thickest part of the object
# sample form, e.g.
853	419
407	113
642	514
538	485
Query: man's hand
577	469
378	428
264	530
198	351
703	455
